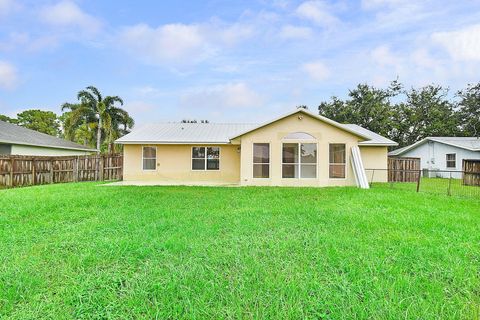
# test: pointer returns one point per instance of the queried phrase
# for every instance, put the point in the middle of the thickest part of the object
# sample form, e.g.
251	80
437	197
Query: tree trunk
99	133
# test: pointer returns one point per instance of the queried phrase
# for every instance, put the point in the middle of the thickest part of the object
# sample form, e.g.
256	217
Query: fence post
11	171
449	191
34	176
51	171
418	179
75	169
101	168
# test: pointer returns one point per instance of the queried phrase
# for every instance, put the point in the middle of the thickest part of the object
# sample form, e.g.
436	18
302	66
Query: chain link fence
450	183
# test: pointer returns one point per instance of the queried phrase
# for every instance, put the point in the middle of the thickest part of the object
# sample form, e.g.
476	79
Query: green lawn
84	251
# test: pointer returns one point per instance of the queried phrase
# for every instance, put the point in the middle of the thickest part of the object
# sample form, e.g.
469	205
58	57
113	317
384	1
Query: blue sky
236	61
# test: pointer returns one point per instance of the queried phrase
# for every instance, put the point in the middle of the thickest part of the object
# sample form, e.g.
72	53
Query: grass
88	252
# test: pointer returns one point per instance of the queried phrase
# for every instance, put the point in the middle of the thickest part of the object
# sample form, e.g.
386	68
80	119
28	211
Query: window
299	160
337	160
149	155
261	160
451	160
205	158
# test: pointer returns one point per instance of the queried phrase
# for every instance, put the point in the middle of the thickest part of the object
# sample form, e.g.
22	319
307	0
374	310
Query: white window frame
206	158
299	163
330	163
269	160
447	161
143	158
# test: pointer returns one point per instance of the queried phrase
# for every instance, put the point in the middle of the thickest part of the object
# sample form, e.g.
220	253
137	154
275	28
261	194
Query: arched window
299	136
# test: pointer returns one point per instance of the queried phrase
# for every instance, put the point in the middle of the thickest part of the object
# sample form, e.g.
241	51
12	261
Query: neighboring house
442	153
297	149
16	140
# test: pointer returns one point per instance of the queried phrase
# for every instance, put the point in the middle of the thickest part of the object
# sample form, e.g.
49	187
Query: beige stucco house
296	149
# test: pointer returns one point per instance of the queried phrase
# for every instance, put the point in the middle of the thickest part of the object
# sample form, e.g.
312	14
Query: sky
229	61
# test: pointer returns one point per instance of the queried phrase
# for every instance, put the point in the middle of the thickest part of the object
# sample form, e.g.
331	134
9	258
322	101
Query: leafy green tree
366	106
426	112
6	119
39	120
469	110
99	113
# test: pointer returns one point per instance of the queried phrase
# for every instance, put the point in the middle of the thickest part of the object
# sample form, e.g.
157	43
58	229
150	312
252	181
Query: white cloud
182	44
220	97
316	70
317	12
171	43
8	75
67	13
233	34
7	6
383	56
374	4
462	45
293	32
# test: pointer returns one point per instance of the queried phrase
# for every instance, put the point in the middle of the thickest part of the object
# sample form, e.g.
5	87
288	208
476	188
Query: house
442	154
296	149
16	140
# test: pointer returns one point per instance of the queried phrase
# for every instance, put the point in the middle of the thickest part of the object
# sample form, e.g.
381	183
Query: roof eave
373	144
47	146
171	142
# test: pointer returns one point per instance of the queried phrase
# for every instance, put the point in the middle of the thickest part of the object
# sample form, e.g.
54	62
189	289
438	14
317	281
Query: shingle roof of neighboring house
467	143
186	133
13	134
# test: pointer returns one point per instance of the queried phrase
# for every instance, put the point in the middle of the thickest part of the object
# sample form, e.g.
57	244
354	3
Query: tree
469	110
38	120
426	112
110	121
367	106
6	119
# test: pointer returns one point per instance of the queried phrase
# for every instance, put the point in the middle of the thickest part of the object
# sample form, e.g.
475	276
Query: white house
442	153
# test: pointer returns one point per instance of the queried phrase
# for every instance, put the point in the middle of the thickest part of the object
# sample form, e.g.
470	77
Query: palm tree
94	108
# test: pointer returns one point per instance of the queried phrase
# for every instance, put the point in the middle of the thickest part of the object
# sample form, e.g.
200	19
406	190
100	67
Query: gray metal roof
184	133
222	133
467	143
13	134
375	138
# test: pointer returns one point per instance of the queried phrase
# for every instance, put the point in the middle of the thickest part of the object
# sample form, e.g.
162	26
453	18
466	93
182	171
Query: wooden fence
471	172
17	171
403	169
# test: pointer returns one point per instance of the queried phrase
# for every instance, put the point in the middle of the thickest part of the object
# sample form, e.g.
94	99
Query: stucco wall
324	134
375	158
174	163
42	151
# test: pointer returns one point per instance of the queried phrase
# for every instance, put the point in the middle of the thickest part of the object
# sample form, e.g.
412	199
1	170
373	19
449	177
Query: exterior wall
324	134
375	158
433	157
25	150
174	163
5	148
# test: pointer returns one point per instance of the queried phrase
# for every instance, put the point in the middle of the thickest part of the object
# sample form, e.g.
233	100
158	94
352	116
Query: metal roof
375	138
467	143
184	133
13	134
222	133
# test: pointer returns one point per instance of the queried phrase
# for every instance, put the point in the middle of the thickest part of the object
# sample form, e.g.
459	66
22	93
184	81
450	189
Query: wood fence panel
18	171
403	169
471	172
